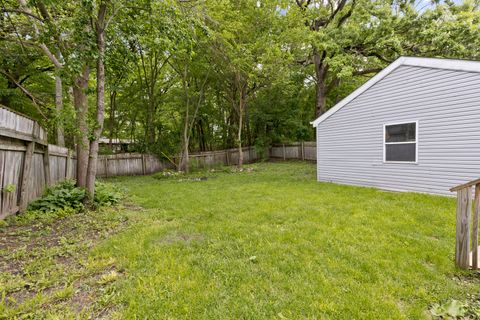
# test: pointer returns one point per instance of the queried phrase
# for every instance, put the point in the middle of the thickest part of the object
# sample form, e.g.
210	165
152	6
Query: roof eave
437	63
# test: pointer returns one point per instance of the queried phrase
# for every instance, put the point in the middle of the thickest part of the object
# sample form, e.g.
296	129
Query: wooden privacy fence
129	164
24	161
296	150
466	252
28	164
226	157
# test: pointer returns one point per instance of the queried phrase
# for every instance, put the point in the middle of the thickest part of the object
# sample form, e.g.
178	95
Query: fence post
284	151
46	166
303	150
462	247
68	164
106	166
143	165
476	206
27	168
227	152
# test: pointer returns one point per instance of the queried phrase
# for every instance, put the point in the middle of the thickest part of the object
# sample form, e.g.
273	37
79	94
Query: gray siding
446	105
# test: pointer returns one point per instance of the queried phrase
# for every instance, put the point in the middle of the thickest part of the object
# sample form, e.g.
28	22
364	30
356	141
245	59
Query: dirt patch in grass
180	238
45	266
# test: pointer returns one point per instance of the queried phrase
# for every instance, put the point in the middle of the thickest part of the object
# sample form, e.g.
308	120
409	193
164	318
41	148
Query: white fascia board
437	63
440	63
379	76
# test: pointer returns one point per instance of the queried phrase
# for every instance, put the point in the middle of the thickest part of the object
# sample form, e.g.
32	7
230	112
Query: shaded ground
45	268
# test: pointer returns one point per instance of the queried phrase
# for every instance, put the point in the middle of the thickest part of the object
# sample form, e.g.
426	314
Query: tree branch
366	71
30	14
26	92
347	15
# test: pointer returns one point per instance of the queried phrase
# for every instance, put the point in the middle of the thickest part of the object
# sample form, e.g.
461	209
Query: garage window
400	142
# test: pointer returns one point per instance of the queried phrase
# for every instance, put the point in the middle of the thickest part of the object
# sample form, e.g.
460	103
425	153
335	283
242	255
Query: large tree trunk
59	108
320	86
80	102
97	131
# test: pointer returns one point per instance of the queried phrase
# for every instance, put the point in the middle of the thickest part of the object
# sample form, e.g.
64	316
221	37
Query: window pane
400	152
400	132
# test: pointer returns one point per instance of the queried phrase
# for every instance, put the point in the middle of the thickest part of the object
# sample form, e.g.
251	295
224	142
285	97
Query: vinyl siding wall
446	105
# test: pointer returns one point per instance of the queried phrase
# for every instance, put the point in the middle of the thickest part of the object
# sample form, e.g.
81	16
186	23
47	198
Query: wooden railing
464	258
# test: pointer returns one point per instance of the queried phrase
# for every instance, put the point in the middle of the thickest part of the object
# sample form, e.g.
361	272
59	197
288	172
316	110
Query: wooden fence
466	228
208	159
28	164
129	164
295	150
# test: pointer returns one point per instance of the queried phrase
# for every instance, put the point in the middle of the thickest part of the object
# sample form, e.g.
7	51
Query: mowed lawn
272	243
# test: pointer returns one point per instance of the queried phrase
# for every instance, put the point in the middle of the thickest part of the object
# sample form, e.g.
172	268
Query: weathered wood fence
208	159
129	164
295	150
21	138
466	247
28	164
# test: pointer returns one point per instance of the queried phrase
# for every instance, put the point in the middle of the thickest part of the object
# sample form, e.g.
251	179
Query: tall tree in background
201	75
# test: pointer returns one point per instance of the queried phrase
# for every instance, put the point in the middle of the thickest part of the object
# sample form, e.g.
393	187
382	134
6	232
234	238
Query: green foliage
168	174
42	214
59	197
166	58
454	309
9	188
106	194
66	196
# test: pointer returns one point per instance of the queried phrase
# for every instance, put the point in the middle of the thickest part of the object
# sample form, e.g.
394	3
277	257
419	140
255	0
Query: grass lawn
269	242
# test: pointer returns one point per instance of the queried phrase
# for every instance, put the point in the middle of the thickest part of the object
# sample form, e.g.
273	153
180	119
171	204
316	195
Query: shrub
66	195
62	196
106	195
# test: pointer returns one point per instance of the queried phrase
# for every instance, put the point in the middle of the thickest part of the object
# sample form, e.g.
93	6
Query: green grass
273	243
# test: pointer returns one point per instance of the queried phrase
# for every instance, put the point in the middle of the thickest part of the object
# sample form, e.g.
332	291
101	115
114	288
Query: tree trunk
80	101
320	87
183	165
97	131
59	108
150	118
241	108
113	104
184	160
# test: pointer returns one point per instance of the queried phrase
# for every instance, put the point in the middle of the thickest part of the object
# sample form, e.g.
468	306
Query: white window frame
385	143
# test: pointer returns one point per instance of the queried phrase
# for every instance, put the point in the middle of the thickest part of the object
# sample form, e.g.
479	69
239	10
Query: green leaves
67	196
453	309
62	196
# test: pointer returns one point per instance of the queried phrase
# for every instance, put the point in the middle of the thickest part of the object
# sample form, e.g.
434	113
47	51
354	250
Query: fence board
295	150
464	203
